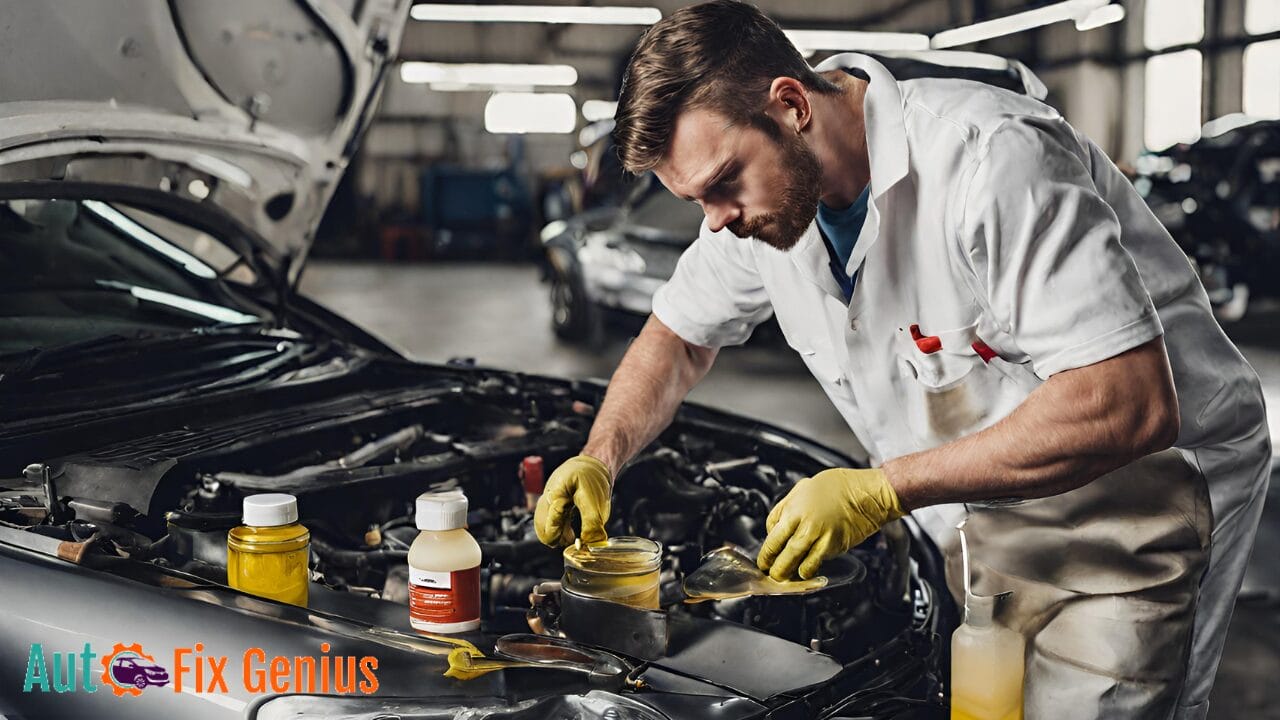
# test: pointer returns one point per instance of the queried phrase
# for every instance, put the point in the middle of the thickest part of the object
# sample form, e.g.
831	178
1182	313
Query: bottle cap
531	474
269	510
441	510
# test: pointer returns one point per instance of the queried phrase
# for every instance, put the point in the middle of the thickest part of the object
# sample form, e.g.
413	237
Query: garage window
1262	80
1172	99
1261	16
1169	23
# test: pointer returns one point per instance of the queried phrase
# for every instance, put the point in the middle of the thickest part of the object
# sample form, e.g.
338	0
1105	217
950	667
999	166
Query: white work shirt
991	219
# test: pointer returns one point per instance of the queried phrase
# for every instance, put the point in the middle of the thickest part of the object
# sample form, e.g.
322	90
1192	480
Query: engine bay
167	500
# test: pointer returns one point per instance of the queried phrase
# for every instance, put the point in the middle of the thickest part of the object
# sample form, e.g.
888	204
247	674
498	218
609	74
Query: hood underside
251	107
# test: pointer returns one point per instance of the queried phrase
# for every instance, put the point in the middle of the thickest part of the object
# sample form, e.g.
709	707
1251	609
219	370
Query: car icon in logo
130	669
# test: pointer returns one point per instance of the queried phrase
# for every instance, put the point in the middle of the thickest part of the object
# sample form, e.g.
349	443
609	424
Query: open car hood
253	108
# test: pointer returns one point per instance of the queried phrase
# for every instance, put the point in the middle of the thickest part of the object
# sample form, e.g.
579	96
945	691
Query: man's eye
727	185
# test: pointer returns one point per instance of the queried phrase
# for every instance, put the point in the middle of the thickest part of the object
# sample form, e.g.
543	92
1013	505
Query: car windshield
73	270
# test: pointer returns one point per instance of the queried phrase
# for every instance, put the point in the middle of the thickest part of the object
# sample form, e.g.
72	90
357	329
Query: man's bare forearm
1078	425
655	375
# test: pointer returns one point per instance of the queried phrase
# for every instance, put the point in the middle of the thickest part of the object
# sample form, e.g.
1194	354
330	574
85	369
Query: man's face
744	178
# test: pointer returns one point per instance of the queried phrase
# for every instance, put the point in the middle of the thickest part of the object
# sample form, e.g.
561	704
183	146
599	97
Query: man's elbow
1159	425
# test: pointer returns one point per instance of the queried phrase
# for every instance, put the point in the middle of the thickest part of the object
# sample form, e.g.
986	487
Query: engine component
633	631
728	572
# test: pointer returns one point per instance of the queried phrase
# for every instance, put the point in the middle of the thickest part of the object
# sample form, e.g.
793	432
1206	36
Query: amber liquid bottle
268	555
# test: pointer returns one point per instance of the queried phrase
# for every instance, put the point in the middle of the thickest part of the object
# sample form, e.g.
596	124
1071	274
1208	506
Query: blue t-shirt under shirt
840	230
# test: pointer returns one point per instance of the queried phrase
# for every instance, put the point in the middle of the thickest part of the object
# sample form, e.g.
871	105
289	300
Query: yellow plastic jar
268	555
621	569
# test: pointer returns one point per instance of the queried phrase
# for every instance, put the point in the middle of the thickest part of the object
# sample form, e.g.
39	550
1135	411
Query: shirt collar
887	148
886	129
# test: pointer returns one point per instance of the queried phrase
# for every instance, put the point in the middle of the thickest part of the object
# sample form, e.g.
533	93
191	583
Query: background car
1220	199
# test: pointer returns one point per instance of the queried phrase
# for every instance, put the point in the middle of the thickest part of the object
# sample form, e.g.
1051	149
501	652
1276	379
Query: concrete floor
500	316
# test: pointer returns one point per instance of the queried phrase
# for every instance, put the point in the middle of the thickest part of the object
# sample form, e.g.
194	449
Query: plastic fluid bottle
268	555
986	666
444	567
987	659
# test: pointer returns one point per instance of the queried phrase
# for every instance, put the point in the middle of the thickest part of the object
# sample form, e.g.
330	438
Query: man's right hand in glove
582	482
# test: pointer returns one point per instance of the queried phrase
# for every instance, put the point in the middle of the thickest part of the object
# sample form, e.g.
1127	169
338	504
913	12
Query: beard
798	204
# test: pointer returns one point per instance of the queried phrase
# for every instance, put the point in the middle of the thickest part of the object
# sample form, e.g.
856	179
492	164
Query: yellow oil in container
621	569
987	659
268	555
986	666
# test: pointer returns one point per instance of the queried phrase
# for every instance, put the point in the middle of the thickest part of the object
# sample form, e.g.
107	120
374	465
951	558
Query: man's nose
720	215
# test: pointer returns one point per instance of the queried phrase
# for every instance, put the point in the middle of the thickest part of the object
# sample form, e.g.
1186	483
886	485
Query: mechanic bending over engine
996	314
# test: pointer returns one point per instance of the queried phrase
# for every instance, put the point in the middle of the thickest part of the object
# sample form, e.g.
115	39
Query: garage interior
1167	72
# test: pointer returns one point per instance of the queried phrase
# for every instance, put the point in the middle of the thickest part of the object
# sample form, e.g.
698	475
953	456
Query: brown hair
722	55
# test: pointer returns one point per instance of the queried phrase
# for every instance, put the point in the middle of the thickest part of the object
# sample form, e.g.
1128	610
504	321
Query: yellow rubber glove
582	482
823	516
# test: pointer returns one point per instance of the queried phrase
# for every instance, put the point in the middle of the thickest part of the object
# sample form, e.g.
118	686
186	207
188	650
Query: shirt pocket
955	390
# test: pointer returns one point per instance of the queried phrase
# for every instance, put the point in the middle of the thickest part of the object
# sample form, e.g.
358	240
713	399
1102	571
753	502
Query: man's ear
789	105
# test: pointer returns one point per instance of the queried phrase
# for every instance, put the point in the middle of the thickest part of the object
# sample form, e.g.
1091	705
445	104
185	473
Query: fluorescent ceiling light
522	113
457	74
556	14
484	87
1082	12
811	40
593	110
1104	15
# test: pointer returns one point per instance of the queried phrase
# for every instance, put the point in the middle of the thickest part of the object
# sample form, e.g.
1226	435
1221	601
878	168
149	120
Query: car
604	265
1219	198
133	670
158	364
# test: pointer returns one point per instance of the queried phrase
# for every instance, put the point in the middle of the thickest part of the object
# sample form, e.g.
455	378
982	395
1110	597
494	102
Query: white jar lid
445	510
270	509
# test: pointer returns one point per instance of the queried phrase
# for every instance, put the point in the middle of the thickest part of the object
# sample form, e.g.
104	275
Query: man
997	316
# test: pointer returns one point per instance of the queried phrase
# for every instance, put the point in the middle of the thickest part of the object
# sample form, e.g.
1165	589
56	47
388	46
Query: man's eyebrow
715	177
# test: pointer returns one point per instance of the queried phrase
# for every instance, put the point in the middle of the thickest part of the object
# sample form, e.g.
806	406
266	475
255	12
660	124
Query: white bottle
986	665
444	567
987	659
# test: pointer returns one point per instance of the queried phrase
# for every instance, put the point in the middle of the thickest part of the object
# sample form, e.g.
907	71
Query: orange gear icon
118	648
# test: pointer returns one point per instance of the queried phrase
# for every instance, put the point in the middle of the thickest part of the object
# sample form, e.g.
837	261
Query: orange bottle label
444	597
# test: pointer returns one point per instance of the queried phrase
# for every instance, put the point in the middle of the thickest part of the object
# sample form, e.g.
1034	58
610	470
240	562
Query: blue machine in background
477	213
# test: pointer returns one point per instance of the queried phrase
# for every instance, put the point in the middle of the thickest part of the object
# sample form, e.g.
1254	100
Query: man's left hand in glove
823	516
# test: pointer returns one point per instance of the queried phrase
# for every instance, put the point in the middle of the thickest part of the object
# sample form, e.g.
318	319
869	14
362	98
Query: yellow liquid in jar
270	562
621	570
638	590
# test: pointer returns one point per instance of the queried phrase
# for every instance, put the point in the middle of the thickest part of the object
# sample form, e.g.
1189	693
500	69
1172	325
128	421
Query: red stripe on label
458	603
